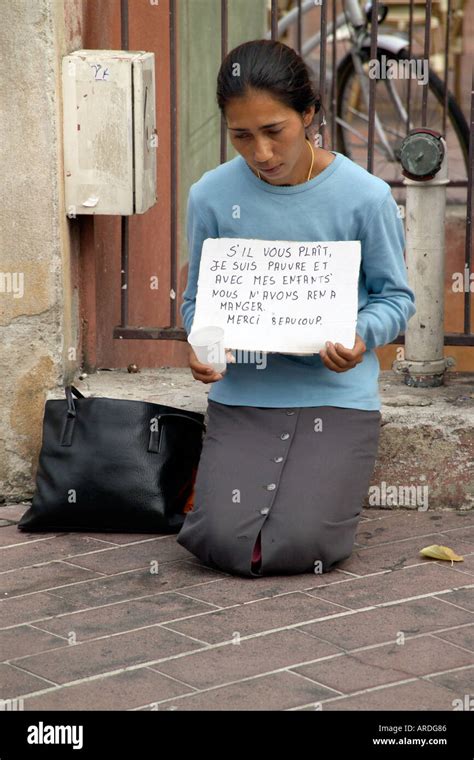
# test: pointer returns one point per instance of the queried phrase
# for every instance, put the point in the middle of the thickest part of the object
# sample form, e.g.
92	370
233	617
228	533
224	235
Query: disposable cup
208	345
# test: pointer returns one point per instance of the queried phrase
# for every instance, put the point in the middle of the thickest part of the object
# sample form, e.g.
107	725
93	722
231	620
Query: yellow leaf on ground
441	552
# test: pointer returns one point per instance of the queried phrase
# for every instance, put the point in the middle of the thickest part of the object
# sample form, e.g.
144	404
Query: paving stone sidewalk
86	623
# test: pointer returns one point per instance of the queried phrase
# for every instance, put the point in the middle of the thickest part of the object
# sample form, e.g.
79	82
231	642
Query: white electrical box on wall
109	125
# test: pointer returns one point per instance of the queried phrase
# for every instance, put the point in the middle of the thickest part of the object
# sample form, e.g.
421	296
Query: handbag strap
76	392
68	426
71	390
155	440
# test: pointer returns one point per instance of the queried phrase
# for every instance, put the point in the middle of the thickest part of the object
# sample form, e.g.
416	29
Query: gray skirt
297	477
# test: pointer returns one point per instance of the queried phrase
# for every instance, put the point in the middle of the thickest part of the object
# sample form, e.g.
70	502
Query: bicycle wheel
352	121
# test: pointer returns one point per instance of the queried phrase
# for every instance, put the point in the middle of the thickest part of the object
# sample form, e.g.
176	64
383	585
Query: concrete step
426	449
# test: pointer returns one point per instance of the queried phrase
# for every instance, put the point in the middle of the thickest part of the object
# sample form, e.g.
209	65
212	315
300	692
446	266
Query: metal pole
424	364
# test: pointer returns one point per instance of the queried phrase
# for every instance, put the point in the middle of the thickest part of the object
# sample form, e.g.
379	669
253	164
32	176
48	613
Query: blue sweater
344	202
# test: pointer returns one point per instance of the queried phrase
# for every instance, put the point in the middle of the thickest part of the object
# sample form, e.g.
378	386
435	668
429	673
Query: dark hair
267	65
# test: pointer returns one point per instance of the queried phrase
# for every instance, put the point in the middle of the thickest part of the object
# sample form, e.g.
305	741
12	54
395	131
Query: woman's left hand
340	359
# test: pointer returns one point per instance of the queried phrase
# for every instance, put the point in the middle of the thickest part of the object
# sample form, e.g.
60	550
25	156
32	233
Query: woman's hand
340	359
204	372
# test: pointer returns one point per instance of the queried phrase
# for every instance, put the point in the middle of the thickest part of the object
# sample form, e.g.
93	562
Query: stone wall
38	245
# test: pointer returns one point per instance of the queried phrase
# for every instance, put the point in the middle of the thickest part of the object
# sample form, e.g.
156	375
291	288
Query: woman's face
269	135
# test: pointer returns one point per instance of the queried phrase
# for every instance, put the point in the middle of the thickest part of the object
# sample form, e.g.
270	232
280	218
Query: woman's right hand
203	372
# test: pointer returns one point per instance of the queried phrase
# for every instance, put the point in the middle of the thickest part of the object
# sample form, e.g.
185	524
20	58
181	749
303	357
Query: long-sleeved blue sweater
343	202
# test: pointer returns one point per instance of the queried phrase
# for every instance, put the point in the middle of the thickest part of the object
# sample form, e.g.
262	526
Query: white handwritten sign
281	296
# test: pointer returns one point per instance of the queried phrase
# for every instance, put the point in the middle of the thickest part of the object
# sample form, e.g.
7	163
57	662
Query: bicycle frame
357	19
352	25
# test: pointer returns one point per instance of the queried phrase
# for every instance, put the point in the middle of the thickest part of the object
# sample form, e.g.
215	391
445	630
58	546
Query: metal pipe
275	32
410	45
373	56
333	80
299	28
224	42
426	55
124	227
424	364
469	258
173	53
322	69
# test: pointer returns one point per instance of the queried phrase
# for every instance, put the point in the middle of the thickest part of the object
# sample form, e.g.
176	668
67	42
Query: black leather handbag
109	464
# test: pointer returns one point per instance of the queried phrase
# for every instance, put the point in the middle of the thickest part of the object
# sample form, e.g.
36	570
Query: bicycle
353	72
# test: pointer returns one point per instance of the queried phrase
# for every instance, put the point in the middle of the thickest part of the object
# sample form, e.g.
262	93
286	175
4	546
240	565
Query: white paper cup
208	345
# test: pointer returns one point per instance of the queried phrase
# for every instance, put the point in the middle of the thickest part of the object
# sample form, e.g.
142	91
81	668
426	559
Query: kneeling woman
290	448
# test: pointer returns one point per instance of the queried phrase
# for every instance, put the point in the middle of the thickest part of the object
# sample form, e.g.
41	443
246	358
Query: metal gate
285	18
